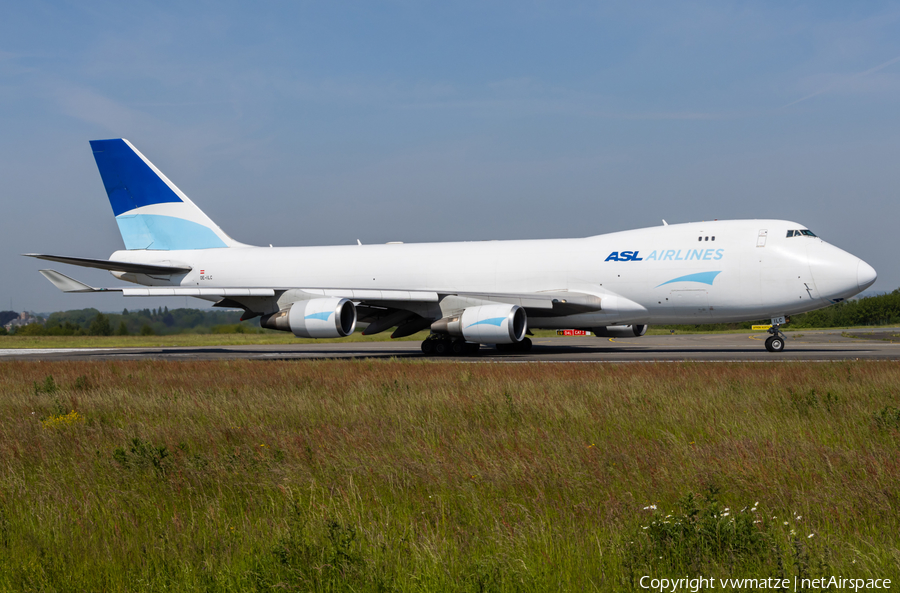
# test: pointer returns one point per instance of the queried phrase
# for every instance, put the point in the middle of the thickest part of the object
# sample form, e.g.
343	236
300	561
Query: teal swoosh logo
493	321
323	316
702	277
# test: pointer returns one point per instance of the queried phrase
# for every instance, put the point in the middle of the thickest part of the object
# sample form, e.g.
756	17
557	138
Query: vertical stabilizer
152	213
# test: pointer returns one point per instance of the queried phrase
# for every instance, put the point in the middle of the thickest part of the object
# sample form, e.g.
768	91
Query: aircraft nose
837	274
865	275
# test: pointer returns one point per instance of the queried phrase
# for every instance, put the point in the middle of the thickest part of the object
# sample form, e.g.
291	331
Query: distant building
24	318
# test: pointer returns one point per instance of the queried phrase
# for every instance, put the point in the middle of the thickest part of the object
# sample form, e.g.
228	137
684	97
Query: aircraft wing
539	304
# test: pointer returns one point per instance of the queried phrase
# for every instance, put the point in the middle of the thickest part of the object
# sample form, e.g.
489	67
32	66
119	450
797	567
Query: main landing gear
443	345
775	342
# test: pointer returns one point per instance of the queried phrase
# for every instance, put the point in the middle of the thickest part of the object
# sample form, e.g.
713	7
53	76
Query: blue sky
322	123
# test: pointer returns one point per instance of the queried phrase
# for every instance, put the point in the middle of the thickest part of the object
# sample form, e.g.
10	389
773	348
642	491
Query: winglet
66	284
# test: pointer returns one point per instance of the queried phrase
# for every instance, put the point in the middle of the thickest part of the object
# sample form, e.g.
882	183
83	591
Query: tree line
148	322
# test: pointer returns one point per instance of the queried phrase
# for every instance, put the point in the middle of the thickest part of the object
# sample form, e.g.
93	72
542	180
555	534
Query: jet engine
487	324
620	331
316	318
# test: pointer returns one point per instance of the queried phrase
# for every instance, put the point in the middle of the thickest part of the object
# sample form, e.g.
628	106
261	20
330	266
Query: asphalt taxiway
813	345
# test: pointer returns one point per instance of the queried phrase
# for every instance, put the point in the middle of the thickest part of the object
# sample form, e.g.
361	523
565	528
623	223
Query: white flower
799	517
645	527
753	509
725	514
810	535
756	504
652	507
785	522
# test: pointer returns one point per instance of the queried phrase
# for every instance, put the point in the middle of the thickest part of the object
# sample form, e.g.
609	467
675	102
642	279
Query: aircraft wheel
774	344
441	348
524	345
503	347
472	348
458	347
428	347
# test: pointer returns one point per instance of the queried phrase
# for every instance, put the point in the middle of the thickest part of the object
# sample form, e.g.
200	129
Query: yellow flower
63	420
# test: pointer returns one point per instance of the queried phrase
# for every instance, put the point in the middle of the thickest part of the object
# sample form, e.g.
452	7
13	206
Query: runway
814	345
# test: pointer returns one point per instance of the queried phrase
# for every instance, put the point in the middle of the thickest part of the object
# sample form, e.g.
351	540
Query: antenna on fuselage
664	222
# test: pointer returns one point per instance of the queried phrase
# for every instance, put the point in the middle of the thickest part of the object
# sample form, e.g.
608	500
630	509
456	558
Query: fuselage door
761	238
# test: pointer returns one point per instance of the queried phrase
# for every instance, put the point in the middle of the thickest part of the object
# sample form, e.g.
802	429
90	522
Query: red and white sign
572	332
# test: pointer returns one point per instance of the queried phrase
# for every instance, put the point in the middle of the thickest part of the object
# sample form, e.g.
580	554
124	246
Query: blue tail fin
151	211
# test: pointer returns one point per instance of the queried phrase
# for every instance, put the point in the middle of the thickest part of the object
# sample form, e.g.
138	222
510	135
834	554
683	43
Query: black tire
524	345
441	348
428	347
775	344
472	348
458	347
503	347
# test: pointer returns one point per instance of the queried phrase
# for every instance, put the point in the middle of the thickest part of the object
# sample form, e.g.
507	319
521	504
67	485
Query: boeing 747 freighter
468	293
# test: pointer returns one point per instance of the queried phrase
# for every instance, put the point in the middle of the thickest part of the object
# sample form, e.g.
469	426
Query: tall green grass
424	476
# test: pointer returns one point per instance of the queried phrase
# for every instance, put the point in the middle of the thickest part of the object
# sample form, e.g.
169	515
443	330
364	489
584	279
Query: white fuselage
705	272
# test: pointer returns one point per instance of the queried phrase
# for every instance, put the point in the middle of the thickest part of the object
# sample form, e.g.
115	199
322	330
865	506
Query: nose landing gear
775	342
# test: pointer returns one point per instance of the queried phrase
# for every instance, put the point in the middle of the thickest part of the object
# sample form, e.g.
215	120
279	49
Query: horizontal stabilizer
66	284
113	266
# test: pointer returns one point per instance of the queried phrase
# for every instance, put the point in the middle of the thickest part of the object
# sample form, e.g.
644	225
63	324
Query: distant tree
124	312
123	329
146	330
100	326
32	329
3	331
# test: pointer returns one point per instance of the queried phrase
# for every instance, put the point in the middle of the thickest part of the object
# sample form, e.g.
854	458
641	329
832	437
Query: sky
320	123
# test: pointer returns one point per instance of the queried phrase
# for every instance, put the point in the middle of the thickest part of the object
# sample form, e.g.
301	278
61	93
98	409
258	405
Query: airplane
467	293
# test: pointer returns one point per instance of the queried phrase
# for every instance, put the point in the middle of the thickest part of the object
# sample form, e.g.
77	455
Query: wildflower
645	527
810	535
799	517
785	522
753	509
725	514
756	504
63	420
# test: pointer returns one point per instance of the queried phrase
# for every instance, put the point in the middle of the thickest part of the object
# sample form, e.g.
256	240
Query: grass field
182	340
441	476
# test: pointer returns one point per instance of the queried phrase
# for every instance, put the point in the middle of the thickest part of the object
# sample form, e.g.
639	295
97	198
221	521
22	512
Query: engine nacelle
316	318
487	324
620	331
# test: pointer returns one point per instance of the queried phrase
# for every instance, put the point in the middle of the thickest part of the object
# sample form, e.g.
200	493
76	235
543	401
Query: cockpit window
801	233
790	233
807	233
